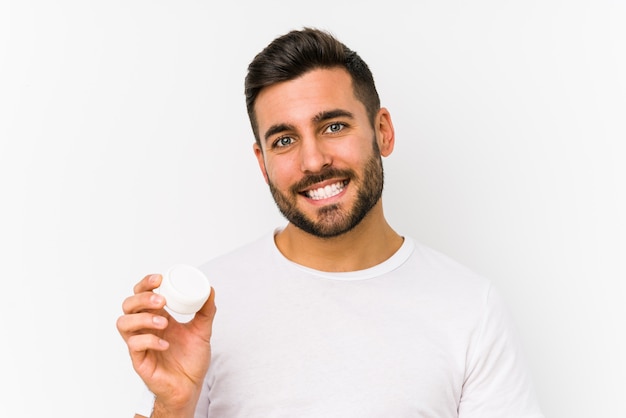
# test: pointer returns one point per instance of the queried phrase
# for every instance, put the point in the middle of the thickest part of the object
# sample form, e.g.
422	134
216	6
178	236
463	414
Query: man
336	314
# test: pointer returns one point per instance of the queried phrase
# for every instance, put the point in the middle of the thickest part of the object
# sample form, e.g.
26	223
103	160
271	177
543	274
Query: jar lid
185	289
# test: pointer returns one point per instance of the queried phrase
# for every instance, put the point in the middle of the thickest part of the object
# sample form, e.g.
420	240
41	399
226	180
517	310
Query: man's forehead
306	97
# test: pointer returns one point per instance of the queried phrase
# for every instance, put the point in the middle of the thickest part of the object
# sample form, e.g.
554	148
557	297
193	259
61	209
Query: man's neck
370	243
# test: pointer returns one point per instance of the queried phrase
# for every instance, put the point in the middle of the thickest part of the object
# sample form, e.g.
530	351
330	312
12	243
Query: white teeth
326	192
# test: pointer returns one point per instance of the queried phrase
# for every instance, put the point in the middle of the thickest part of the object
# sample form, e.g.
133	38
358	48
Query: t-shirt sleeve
497	382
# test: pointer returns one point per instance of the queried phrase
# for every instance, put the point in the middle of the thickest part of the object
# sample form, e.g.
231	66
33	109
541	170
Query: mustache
326	174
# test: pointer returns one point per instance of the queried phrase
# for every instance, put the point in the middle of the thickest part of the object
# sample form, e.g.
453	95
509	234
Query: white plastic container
185	289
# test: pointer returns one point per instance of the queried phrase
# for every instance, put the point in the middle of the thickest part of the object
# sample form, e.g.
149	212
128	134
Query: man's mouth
327	191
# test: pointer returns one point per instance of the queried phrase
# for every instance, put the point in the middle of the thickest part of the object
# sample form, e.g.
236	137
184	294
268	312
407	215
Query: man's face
320	154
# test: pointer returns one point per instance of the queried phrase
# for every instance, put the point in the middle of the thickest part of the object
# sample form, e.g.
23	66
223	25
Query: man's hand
172	358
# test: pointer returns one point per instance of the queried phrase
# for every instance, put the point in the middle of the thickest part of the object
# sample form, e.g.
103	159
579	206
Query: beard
333	220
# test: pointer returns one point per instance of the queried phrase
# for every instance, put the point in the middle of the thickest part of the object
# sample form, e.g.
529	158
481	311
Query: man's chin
325	229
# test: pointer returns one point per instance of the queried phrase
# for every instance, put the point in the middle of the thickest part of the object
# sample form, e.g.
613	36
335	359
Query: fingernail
157	320
153	279
156	299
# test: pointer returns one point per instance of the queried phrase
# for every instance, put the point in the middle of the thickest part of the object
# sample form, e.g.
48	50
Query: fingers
143	310
141	302
140	343
131	325
150	282
141	321
143	298
145	319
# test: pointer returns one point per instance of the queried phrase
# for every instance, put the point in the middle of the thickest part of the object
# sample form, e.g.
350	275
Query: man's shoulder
435	258
445	269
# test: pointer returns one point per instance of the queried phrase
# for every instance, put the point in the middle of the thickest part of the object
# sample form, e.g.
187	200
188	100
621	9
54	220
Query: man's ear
385	134
258	152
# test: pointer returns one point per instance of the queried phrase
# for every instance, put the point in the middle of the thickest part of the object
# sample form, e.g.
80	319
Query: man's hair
300	51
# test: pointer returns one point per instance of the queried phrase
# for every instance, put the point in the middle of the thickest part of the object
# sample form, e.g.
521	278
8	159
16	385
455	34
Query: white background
125	148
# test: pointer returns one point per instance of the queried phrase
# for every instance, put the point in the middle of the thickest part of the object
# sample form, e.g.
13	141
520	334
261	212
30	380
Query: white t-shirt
416	336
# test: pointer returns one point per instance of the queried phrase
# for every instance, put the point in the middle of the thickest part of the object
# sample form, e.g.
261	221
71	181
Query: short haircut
300	51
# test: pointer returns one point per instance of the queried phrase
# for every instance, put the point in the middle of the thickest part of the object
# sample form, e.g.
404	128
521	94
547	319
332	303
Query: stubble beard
333	220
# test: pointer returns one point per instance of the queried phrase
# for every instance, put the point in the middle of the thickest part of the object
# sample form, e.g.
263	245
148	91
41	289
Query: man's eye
283	141
335	127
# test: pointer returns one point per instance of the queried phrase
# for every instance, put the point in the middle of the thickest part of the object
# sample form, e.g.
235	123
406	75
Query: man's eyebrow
332	114
276	129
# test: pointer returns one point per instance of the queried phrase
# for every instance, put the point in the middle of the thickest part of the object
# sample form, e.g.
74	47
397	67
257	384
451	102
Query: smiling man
320	153
334	314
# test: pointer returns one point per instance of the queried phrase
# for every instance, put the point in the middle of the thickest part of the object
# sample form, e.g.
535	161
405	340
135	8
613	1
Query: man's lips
326	191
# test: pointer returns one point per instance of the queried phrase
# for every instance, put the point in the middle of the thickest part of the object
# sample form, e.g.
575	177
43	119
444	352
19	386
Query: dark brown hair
300	51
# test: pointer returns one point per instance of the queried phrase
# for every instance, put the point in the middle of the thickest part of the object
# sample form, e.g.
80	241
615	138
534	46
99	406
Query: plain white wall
125	148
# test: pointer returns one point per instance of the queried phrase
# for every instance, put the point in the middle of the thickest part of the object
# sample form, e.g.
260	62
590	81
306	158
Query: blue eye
335	127
283	141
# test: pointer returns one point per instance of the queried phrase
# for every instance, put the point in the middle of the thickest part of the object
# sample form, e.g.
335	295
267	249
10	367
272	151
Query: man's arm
498	382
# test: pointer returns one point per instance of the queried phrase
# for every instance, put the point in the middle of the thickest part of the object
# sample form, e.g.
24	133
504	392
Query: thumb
204	317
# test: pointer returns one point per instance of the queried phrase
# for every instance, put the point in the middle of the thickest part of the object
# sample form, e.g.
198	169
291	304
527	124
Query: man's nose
314	156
